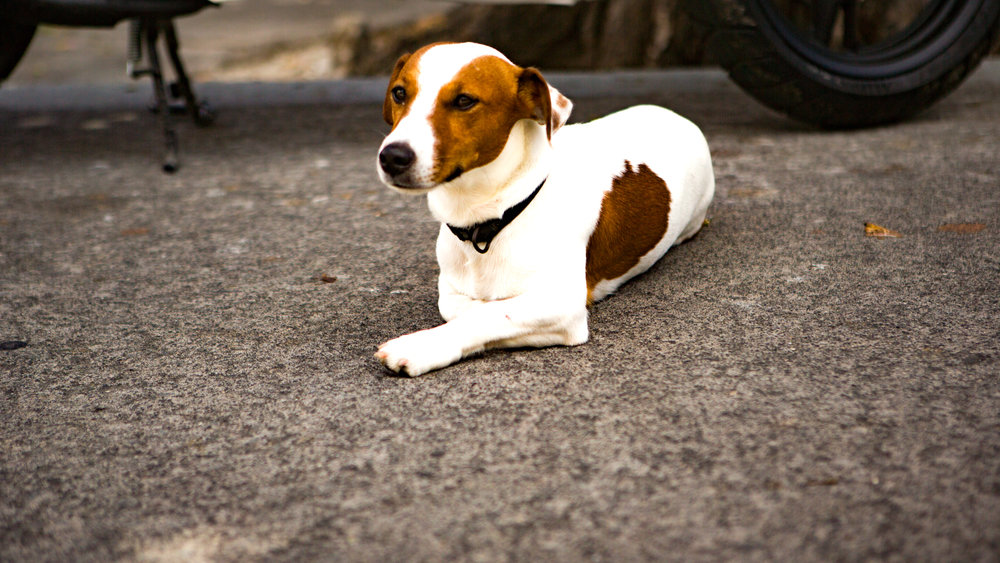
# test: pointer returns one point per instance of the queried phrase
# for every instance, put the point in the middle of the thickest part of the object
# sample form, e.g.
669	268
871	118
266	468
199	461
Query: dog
539	219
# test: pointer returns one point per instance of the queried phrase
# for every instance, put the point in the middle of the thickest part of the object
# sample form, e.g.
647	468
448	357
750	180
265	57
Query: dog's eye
464	102
399	94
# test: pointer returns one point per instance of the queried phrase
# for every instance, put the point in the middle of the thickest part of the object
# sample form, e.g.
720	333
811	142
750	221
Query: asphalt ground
197	382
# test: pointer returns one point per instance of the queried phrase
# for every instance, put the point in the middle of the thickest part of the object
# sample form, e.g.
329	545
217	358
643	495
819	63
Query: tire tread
759	68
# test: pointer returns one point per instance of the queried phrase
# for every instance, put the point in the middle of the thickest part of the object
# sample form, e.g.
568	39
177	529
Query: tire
791	69
14	39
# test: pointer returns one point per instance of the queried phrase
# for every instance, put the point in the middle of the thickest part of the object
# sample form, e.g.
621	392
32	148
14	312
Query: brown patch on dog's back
633	221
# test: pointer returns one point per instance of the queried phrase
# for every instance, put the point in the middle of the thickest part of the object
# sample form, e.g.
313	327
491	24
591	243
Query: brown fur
473	138
391	111
467	139
633	220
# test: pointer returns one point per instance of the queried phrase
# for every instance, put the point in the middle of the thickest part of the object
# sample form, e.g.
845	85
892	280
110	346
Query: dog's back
659	183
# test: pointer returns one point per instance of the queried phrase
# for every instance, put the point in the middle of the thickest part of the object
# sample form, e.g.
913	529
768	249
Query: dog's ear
387	103
545	104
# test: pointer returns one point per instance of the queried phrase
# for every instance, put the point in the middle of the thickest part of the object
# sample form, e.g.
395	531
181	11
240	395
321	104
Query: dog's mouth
407	185
409	182
454	174
403	184
405	181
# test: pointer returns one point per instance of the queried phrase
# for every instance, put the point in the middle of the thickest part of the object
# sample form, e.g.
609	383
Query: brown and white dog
538	220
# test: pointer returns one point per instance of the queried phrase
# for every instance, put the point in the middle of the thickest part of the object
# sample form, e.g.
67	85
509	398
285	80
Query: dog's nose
396	158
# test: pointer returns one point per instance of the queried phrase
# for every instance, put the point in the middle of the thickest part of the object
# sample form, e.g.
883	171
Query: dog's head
452	107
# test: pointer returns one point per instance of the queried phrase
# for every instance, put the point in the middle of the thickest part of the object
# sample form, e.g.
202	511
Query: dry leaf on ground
873	230
962	228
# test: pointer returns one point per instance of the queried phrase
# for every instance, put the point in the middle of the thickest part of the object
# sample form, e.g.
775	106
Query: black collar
483	233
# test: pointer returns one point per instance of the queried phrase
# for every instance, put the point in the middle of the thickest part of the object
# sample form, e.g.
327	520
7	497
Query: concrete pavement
197	380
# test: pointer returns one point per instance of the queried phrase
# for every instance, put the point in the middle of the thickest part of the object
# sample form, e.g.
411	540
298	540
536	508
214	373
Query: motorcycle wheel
14	39
821	71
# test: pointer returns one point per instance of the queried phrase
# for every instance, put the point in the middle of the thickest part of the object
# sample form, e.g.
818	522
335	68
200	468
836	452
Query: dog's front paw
418	353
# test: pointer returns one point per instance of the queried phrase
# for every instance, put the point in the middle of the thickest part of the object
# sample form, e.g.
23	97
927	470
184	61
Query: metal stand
148	31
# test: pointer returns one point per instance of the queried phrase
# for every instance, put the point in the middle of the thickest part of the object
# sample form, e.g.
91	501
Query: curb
582	85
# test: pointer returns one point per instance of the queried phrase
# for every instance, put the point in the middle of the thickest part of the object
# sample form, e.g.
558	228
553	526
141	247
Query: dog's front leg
526	320
451	303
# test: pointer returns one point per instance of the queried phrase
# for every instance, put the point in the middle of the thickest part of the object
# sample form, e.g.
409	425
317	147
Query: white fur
529	289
